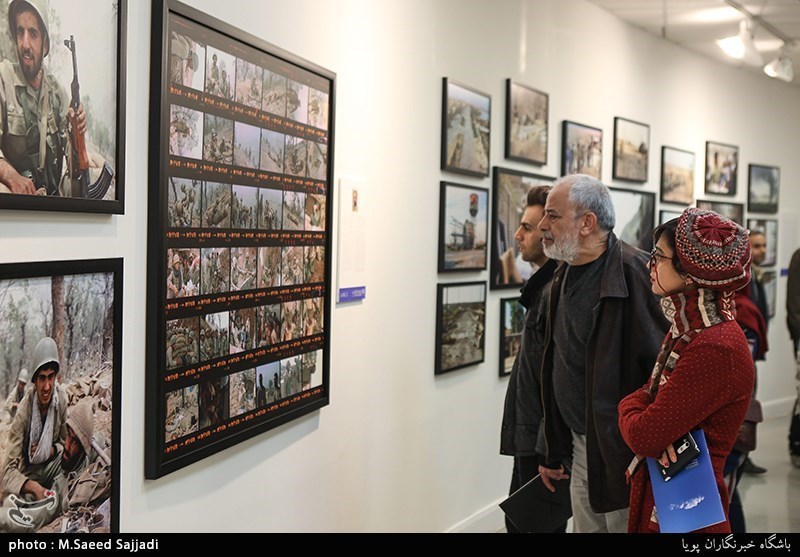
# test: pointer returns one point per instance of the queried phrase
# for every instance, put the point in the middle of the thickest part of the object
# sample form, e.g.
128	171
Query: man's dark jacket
629	327
522	413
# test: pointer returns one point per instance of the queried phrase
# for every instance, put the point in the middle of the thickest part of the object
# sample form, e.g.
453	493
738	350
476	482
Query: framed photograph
636	214
722	165
769	280
763	188
768	227
512	323
466	127
527	117
664	216
631	150
733	211
61	379
581	150
80	59
239	238
509	198
460	325
463	223
677	176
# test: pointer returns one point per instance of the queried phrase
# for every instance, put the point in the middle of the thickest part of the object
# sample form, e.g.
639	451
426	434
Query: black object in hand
686	450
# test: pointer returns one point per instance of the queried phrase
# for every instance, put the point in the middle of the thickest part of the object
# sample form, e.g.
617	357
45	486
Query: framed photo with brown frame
722	167
239	246
512	324
769	228
77	57
636	213
677	176
631	150
466	129
527	123
763	188
460	325
509	199
61	379
581	150
463	225
733	211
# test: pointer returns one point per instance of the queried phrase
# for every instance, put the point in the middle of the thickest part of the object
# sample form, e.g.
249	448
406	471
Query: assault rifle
98	189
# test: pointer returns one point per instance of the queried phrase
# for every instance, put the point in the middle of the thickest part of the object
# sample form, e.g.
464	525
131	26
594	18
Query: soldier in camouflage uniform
34	112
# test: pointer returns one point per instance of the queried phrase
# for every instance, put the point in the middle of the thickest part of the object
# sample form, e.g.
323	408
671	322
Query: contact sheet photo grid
238	343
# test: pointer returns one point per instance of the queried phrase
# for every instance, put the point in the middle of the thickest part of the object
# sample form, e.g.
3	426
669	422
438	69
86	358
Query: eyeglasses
655	256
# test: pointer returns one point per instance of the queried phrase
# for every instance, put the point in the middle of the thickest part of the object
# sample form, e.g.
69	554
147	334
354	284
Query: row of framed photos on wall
466	140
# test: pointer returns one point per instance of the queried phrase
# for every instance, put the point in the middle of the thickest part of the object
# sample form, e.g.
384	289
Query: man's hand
14	181
78	118
34	488
552	474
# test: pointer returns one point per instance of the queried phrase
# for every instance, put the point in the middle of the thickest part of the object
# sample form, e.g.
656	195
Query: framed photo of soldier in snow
60	350
65	149
239	246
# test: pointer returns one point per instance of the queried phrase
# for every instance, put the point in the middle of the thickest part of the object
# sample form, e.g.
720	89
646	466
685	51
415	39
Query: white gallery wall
399	449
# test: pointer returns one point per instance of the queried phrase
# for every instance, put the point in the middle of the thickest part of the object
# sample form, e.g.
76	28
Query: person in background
522	413
756	338
603	329
703	376
793	322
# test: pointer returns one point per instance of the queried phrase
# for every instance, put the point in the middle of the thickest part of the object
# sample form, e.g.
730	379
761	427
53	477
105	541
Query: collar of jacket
538	281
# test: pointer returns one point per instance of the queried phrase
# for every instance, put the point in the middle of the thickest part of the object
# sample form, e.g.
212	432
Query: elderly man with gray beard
604	329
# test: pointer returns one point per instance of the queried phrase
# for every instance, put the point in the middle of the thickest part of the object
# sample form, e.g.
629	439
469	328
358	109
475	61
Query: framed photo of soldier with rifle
61	382
62	105
239	237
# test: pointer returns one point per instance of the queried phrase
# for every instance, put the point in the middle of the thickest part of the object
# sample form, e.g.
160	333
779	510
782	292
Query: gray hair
590	194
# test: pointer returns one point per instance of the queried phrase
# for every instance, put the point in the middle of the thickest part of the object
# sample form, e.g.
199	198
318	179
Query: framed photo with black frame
722	166
733	211
466	129
509	199
769	280
527	123
763	188
460	325
79	165
636	213
665	215
239	246
631	150
581	150
61	348
512	324
768	227
463	224
677	176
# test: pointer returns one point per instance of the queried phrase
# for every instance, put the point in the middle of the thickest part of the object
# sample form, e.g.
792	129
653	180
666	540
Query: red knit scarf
690	312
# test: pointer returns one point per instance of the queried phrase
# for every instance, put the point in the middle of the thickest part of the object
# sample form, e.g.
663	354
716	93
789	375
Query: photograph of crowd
214	341
581	150
631	150
269	324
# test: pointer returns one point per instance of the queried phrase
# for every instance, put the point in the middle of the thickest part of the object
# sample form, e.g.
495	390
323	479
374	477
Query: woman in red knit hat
704	373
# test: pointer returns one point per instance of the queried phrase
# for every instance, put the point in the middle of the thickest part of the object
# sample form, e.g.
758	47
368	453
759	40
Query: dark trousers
794	427
525	469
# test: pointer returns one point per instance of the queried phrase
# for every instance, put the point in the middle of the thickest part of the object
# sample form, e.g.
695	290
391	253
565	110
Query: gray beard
564	250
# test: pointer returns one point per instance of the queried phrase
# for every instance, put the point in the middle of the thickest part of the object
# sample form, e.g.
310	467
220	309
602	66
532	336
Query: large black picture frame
527	123
239	290
100	66
509	199
635	216
78	304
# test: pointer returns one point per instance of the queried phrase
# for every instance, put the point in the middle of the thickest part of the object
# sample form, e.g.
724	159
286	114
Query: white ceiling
696	24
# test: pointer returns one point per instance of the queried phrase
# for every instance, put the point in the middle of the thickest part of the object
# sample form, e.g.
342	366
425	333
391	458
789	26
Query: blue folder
690	500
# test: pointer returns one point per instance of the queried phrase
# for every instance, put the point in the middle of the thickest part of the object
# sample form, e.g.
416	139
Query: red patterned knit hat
714	251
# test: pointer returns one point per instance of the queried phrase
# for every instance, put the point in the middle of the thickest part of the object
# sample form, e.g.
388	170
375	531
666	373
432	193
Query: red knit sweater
709	389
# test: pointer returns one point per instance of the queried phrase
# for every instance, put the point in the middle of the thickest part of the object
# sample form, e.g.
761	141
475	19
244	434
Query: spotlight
780	68
741	46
